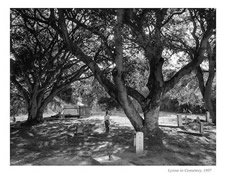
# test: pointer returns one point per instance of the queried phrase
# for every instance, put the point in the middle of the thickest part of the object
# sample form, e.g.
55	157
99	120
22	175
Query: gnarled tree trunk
206	89
151	116
35	115
35	111
155	85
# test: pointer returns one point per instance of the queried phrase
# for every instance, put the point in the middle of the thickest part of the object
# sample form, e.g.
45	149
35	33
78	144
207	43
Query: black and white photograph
128	87
113	86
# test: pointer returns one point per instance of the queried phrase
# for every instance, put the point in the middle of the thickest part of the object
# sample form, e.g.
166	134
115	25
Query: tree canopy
41	67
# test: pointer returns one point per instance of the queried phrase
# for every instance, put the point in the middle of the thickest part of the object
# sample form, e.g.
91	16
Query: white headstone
208	120
139	142
179	120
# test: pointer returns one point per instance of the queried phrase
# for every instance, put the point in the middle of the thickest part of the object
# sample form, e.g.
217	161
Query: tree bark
151	115
210	108
132	114
127	105
153	101
35	115
206	89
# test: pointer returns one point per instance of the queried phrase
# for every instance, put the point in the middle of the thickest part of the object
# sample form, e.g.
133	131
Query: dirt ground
55	142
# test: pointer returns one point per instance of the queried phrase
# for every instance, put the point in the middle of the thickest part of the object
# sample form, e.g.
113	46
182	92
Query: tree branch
136	95
171	16
20	88
199	56
194	31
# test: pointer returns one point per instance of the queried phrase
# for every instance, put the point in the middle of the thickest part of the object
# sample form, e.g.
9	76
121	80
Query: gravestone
208	120
139	143
179	120
201	127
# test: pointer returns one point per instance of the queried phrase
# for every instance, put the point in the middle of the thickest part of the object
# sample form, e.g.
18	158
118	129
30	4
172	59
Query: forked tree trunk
118	78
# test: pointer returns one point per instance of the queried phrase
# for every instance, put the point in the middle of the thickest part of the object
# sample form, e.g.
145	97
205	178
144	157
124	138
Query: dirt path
55	143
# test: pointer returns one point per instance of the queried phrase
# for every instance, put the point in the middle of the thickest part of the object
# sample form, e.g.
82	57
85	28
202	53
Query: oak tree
41	67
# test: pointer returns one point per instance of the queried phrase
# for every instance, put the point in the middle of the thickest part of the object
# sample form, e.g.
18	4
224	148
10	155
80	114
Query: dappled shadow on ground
56	142
177	149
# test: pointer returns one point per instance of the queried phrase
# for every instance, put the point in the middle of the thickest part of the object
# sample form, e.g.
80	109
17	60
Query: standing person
107	121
